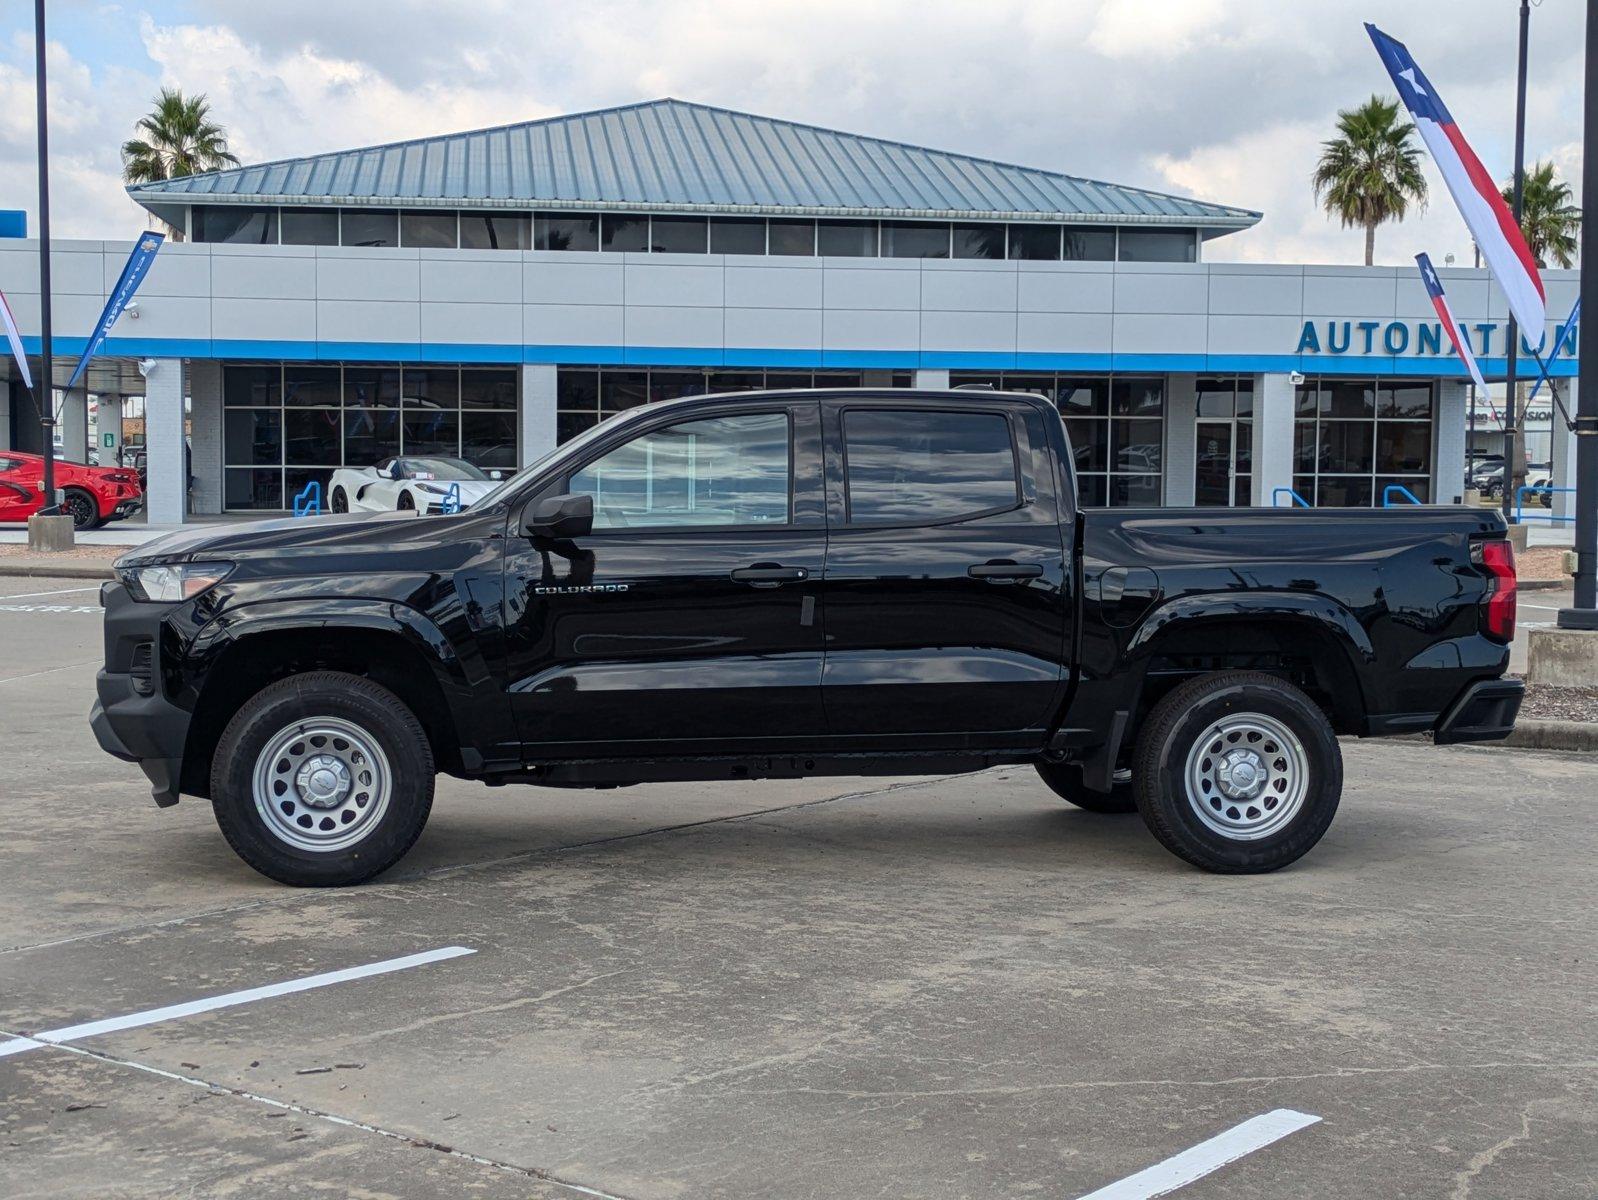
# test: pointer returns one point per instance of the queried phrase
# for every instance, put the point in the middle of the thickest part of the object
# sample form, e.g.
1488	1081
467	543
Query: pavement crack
1481	1161
300	896
420	1143
508	1006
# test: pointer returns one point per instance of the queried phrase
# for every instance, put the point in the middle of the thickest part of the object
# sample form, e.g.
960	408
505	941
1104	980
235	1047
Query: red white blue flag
1434	289
14	336
1490	221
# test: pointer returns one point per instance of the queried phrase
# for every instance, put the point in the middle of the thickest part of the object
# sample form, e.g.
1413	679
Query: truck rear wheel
1065	780
1238	772
322	780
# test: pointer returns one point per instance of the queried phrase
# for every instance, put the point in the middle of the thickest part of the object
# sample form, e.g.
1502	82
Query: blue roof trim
753	356
672	155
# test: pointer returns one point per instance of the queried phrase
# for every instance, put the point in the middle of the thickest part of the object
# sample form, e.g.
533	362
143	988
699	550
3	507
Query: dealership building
490	294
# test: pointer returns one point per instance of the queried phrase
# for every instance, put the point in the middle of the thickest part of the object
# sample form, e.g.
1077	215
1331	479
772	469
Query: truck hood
258	538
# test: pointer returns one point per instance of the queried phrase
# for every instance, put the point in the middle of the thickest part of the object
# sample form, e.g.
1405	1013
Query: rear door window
926	467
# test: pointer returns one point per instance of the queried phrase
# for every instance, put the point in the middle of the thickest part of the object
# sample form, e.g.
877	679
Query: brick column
1181	438
932	379
1562	450
1451	430
74	417
205	435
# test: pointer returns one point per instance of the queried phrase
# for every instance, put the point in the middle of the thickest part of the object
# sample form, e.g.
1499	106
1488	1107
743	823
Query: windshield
574	446
440	468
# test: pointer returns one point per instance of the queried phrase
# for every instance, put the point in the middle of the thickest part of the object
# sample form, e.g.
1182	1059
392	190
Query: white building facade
310	322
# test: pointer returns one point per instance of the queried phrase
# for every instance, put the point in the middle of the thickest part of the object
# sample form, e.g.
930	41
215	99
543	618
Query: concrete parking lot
906	988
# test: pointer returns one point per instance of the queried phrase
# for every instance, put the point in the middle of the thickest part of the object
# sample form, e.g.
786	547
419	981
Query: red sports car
90	495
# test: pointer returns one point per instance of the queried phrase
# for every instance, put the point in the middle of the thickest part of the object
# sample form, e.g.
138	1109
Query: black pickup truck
782	584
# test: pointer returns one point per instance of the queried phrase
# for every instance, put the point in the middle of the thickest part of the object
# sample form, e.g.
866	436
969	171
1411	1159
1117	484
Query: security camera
1295	378
132	310
146	365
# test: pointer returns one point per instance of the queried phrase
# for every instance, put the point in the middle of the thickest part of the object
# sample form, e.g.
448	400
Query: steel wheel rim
321	784
1247	776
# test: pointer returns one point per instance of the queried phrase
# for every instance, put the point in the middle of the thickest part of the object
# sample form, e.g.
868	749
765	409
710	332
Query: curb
66	570
1541	585
1553	735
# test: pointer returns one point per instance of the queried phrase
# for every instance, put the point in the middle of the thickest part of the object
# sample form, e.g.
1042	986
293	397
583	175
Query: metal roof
675	156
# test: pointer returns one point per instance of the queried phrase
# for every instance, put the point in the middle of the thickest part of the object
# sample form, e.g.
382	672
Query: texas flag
1434	289
1490	221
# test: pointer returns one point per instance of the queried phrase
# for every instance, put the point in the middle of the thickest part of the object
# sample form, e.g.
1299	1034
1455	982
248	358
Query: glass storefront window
432	389
250	386
371	387
488	389
252	435
312	436
311	386
1353	437
1224	440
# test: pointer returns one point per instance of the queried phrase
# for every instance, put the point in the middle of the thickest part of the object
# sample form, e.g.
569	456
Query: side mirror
394	471
565	517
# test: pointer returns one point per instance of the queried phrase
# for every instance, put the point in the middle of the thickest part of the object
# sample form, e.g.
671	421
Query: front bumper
1483	712
131	719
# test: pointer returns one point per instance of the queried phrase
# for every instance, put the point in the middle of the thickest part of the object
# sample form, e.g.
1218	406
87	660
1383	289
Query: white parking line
1254	1134
52	608
61	592
72	1033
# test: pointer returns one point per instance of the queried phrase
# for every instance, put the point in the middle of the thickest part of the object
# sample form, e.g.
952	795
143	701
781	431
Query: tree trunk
1370	243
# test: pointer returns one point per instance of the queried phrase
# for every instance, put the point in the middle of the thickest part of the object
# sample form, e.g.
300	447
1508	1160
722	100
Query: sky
1223	100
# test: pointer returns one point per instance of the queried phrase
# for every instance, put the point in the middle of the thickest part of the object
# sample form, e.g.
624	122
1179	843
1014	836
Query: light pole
1514	465
1583	614
44	389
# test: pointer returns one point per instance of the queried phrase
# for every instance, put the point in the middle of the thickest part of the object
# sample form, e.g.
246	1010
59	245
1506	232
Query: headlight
433	489
177	581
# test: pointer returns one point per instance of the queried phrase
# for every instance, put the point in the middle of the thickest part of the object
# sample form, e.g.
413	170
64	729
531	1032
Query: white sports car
410	484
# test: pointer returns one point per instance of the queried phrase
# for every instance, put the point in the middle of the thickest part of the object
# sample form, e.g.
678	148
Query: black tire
405	503
338	501
1221	832
315	702
82	507
1065	780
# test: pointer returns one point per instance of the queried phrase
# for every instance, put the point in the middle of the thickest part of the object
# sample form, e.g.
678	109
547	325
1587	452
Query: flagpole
1514	459
1583	613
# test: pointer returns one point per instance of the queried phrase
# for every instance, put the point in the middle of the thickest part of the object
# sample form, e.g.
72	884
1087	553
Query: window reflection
907	467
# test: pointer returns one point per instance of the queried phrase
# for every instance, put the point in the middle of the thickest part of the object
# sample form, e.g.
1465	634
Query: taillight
1497	558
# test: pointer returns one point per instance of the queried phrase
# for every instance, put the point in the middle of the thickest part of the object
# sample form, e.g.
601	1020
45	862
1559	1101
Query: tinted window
1089	244
370	227
979	241
734	236
914	468
847	239
677	235
495	231
433	229
1035	241
1158	245
914	239
255	226
792	237
310	226
566	233
721	471
624	233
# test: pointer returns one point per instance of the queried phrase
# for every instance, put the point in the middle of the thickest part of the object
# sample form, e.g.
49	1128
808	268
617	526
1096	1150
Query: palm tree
1370	173
1548	219
178	138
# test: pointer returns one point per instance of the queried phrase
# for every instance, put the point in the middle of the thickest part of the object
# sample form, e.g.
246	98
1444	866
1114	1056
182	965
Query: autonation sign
1486	338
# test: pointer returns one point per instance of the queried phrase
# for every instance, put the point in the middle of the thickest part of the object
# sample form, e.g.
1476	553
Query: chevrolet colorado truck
783	584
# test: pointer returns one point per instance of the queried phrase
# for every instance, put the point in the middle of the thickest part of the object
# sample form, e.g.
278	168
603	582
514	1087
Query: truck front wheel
1065	779
1238	772
322	780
